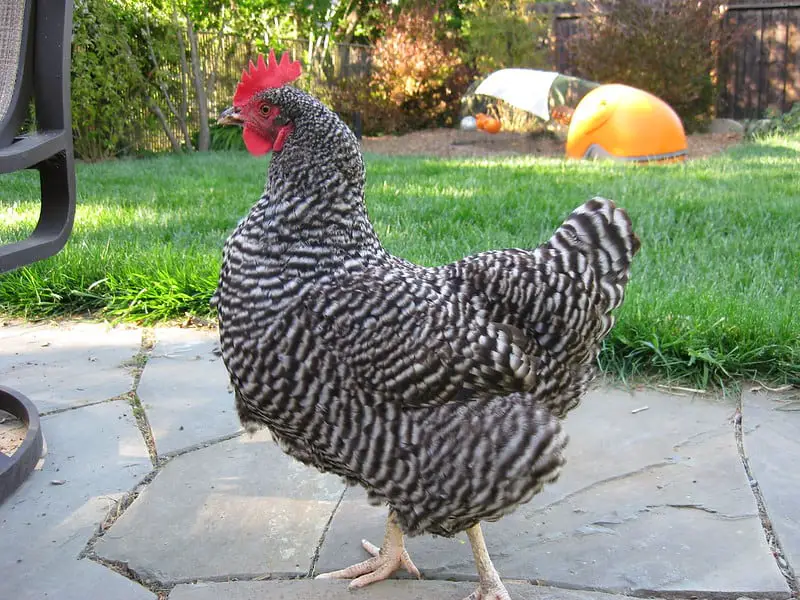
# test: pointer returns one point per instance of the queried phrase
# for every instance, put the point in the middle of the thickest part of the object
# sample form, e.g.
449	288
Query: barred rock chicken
439	390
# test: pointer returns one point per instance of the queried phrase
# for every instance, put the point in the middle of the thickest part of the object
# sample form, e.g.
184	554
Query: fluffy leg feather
385	560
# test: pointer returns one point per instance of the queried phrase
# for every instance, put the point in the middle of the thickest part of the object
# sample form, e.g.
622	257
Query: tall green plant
499	35
104	97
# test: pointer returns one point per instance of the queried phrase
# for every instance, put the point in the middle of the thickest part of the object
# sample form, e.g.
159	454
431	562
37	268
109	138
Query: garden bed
454	143
12	433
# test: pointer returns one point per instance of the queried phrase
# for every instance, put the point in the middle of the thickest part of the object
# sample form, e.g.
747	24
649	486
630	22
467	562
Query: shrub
224	138
417	77
351	95
115	80
668	48
500	35
776	124
102	110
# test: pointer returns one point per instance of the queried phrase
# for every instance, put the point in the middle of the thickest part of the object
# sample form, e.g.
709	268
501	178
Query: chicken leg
385	560
489	585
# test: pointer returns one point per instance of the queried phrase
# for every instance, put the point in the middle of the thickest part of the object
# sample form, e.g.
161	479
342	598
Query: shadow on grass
765	148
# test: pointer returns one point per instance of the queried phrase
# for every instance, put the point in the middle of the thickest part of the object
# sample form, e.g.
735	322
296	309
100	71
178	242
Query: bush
224	138
501	35
101	87
669	49
417	74
352	95
776	124
113	72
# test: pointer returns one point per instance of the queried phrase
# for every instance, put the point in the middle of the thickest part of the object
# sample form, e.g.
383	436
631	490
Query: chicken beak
231	116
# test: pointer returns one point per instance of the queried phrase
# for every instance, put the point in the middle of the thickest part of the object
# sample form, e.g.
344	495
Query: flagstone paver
68	365
771	423
240	508
654	499
654	495
184	390
94	455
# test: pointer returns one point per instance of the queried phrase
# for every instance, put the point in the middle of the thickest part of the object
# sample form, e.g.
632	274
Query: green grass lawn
714	294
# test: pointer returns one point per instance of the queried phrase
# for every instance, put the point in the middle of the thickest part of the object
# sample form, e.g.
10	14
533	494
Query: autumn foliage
417	76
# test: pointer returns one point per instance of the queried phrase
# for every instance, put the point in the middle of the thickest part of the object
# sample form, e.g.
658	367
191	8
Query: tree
498	35
169	88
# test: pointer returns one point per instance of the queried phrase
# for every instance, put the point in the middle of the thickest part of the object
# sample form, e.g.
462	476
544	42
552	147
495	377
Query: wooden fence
565	27
222	59
762	73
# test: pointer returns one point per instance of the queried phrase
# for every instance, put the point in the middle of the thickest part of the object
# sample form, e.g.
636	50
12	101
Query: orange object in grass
624	123
487	123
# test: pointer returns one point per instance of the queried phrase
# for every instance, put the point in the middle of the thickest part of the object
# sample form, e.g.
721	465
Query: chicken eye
265	108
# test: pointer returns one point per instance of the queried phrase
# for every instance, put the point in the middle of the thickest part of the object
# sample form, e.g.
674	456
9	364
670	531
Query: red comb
263	76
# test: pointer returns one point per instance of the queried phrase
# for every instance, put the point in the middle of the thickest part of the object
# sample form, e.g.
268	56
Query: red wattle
256	143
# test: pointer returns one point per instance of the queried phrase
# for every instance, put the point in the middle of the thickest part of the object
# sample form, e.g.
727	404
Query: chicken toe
384	562
496	592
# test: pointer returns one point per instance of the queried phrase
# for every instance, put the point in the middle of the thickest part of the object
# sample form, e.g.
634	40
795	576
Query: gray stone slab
68	365
240	508
384	590
184	390
72	580
771	423
94	454
653	500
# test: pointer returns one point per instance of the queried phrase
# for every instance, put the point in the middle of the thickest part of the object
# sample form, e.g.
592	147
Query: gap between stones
138	365
766	523
163	589
318	549
58	411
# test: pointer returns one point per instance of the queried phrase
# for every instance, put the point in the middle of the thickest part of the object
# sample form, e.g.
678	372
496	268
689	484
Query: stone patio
171	500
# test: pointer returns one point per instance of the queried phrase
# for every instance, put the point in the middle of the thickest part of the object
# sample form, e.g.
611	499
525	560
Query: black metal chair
35	55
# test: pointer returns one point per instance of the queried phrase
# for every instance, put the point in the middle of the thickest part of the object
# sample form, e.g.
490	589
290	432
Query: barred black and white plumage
439	390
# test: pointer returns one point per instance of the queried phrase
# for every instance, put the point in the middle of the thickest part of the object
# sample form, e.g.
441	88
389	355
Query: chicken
438	390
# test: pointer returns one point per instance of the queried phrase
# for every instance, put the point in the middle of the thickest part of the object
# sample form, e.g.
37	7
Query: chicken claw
497	592
384	562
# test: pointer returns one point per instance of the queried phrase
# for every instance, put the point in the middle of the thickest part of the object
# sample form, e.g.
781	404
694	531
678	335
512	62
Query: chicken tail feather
603	235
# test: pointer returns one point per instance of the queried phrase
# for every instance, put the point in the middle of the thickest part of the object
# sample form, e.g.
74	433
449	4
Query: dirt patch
12	433
707	144
454	143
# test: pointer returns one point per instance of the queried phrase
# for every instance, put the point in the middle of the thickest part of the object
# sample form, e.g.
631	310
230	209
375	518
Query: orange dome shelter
625	123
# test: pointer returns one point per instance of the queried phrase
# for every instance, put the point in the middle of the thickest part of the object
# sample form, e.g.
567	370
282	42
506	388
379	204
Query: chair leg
57	178
56	216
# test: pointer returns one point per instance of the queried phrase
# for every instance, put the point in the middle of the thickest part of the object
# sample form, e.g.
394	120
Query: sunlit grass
713	295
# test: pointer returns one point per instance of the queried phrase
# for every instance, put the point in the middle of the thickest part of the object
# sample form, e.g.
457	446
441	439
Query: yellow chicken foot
385	560
489	585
